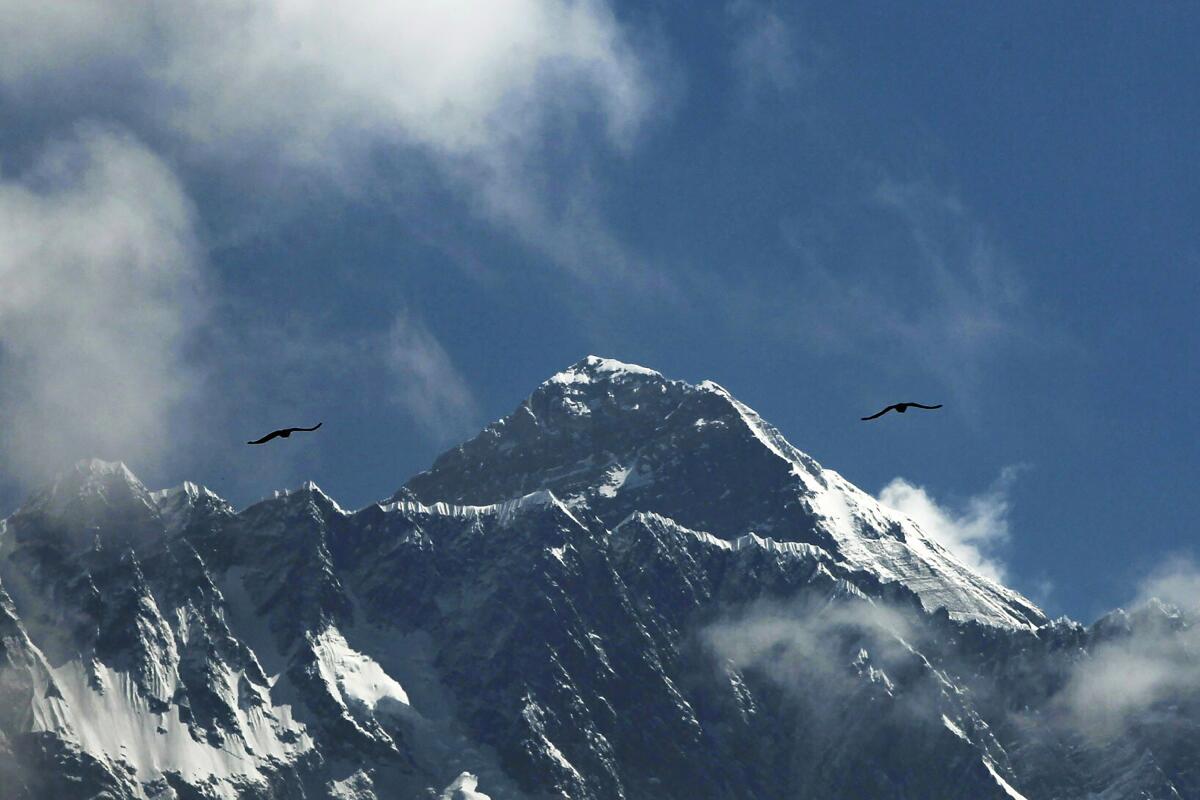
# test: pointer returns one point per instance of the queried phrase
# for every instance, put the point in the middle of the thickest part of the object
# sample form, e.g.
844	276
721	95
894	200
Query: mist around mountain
630	587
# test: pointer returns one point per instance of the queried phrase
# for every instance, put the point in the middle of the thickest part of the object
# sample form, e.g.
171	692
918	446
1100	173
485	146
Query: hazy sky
221	217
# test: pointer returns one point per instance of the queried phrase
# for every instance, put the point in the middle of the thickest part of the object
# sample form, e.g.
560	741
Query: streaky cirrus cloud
100	285
976	286
427	384
975	531
904	274
765	52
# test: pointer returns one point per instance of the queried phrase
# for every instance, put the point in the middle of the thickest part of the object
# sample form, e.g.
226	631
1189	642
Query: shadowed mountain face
631	587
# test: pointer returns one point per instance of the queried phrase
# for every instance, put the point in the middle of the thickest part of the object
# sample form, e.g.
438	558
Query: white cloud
455	76
488	91
428	385
822	652
477	86
1119	680
99	288
974	532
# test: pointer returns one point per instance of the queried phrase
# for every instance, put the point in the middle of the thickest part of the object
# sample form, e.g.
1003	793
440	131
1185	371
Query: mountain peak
307	491
99	469
310	487
610	424
90	481
597	369
618	438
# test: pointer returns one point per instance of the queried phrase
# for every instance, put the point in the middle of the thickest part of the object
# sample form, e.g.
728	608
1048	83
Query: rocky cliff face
631	587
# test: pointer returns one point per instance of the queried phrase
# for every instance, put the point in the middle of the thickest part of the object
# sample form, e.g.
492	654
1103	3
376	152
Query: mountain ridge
610	626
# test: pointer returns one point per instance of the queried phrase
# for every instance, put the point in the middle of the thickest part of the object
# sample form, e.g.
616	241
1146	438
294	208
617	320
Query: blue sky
220	217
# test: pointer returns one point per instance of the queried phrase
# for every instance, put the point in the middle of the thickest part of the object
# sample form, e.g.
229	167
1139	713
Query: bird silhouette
901	408
284	432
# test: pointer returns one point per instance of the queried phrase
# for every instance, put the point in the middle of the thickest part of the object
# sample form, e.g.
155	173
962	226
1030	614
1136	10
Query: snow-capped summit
595	368
186	503
310	490
619	438
186	489
577	432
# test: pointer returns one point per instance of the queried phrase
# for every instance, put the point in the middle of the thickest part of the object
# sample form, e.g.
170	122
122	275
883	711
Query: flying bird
900	407
284	432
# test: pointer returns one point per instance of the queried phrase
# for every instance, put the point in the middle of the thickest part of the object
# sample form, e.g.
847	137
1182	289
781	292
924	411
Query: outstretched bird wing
918	405
878	414
266	438
283	432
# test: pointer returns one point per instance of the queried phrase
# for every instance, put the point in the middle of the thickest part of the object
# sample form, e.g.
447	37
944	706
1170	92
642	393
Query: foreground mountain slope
631	587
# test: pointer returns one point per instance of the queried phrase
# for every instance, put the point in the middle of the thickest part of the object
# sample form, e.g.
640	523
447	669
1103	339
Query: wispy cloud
905	275
765	51
100	286
975	531
802	646
1176	581
975	288
1147	656
858	668
427	384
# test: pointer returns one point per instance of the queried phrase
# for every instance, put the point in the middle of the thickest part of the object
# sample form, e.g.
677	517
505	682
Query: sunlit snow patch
464	788
356	678
618	477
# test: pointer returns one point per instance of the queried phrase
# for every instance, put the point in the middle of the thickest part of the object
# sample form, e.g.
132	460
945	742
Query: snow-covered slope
631	587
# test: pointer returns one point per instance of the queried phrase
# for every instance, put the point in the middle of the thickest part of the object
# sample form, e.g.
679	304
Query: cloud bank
100	284
506	99
454	76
